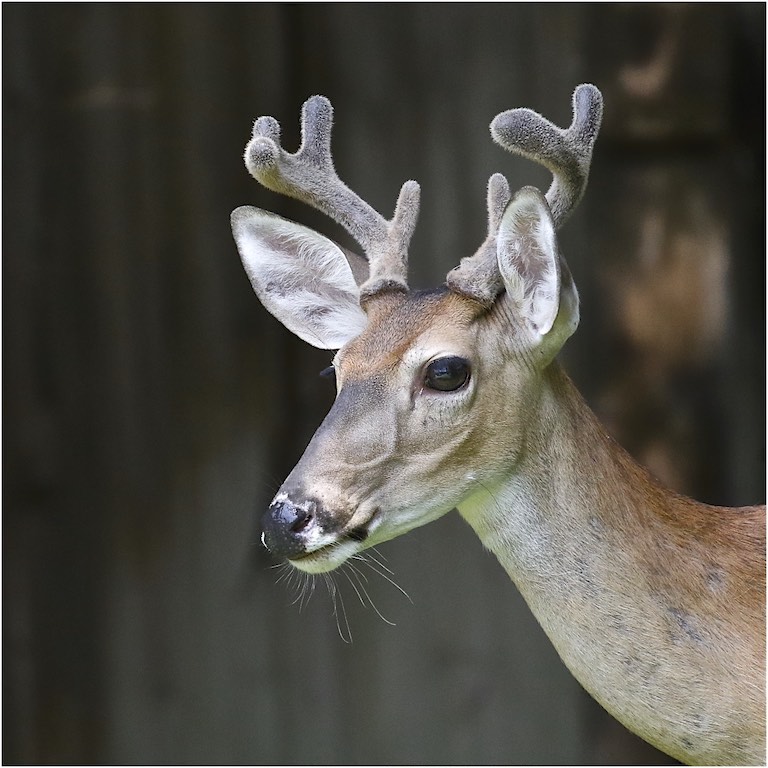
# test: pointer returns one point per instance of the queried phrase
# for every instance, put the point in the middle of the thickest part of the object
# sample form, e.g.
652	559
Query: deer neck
568	488
592	544
555	521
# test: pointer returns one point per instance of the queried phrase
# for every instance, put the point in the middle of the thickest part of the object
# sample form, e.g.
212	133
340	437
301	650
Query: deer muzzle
311	537
328	502
287	524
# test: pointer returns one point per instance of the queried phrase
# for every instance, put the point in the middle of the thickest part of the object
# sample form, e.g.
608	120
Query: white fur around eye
301	277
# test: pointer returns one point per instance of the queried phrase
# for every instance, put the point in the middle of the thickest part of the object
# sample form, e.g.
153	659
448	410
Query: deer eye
329	373
447	374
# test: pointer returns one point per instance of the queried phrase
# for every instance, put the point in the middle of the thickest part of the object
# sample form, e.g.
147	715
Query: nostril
287	515
285	525
303	519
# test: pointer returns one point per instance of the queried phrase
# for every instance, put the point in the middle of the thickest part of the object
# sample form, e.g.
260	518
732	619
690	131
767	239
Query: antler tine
567	153
478	276
308	175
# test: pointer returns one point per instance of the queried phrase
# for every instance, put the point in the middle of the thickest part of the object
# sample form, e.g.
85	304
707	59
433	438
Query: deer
452	398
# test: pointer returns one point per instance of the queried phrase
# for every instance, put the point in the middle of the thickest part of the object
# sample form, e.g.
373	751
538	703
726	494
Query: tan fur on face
395	321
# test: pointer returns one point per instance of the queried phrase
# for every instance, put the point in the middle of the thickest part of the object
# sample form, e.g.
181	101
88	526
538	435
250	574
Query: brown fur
396	320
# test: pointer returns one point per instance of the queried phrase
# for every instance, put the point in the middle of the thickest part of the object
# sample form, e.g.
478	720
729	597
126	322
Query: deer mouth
331	555
327	557
357	535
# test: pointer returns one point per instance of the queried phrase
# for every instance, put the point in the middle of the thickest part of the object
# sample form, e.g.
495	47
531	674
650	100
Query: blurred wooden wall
152	407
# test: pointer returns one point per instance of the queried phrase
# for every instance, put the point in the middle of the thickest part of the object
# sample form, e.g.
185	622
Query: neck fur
611	566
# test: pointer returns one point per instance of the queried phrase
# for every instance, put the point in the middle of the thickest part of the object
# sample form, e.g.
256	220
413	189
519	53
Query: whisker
334	592
357	591
286	573
359	576
357	570
307	590
376	569
378	554
297	585
302	587
378	562
298	599
346	620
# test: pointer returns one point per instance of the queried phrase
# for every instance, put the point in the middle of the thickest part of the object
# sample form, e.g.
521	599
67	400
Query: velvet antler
566	152
308	175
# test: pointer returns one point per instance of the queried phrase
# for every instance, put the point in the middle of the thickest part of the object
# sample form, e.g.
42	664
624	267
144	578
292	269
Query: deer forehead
410	327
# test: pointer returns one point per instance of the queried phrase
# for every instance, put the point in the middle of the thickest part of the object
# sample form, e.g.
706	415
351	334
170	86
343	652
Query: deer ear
530	266
301	277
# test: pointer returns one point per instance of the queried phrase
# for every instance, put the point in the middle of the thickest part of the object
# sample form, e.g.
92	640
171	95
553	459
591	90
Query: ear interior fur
301	277
536	278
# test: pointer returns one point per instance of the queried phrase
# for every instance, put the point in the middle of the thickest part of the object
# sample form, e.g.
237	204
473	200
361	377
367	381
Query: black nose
284	524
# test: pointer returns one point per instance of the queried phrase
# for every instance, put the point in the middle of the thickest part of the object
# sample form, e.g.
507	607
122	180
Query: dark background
152	406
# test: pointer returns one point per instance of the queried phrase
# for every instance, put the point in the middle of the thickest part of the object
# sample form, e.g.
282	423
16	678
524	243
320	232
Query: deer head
433	388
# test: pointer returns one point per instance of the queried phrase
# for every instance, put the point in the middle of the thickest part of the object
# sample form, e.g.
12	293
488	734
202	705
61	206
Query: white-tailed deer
452	398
